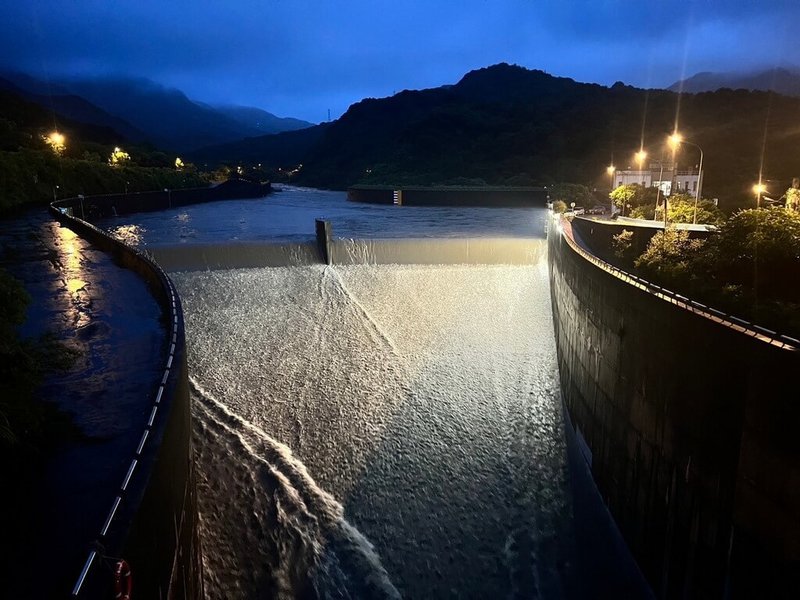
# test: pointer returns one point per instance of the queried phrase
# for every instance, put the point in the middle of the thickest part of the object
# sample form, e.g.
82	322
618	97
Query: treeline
35	170
508	125
749	267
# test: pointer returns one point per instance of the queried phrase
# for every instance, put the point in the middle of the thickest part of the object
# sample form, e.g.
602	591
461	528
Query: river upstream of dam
374	430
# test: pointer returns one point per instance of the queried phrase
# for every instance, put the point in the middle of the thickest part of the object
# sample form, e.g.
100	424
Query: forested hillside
509	125
44	155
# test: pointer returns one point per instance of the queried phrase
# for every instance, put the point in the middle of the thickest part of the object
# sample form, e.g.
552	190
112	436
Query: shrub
669	257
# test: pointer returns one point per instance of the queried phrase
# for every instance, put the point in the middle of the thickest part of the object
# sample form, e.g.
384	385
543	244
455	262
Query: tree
633	195
572	192
758	248
645	211
622	244
669	257
118	157
681	209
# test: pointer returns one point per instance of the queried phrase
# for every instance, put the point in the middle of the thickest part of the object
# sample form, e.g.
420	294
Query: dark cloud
302	57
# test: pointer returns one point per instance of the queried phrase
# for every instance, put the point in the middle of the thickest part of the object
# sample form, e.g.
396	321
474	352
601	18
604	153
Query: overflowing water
371	430
364	431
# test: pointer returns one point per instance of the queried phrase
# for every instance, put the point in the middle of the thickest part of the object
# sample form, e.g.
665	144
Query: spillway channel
378	431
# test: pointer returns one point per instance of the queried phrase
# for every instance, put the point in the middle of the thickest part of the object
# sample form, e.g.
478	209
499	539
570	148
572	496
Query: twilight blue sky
300	57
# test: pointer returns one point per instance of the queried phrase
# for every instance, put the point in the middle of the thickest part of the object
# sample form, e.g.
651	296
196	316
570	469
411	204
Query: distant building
660	175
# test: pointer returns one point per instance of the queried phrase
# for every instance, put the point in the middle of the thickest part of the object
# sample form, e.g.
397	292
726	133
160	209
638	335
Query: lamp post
610	169
759	189
676	139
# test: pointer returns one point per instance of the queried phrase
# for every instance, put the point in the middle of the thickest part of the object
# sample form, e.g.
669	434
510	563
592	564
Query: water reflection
133	235
69	249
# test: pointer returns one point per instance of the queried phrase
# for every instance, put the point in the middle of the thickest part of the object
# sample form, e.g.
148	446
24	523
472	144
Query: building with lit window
663	175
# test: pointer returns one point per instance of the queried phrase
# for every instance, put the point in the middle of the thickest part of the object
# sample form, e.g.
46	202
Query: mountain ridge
507	123
164	116
782	80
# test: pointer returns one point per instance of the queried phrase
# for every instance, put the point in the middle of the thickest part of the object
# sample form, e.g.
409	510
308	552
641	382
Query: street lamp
640	156
610	169
759	189
675	140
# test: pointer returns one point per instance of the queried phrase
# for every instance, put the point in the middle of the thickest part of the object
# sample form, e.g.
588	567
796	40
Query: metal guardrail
742	326
171	297
145	434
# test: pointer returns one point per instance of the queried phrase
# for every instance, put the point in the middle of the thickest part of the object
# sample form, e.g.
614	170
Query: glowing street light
675	140
640	156
758	189
611	169
56	141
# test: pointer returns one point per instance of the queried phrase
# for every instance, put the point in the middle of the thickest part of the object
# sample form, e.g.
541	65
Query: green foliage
30	176
633	195
681	209
759	248
646	211
793	198
572	192
34	170
749	267
622	244
669	256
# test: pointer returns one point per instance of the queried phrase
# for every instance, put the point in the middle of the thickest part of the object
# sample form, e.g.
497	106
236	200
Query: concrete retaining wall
450	196
234	255
428	251
425	251
151	521
109	205
598	235
688	425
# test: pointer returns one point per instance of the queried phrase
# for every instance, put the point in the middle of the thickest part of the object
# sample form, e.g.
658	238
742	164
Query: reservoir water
373	431
288	216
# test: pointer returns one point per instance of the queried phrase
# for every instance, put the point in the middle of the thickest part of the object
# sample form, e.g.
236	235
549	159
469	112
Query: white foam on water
424	399
304	542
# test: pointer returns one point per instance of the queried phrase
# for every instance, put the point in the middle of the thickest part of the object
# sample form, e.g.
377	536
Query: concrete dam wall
107	205
688	424
449	195
152	518
423	251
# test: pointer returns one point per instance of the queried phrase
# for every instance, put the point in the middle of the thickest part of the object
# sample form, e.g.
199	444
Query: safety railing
159	413
733	322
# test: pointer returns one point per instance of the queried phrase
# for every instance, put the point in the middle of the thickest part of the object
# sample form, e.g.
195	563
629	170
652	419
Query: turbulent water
375	431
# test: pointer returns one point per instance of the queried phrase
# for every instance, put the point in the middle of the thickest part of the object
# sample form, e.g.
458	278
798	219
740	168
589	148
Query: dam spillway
421	407
387	425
